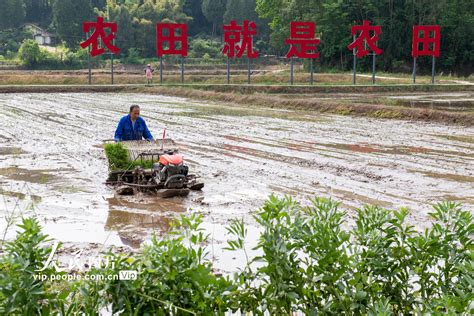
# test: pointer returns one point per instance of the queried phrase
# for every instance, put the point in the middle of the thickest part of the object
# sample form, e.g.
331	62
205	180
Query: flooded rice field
52	163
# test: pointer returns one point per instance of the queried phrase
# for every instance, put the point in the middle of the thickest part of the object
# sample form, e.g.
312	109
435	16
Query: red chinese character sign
426	36
429	38
100	34
365	39
365	36
238	39
302	40
303	44
104	33
175	42
171	39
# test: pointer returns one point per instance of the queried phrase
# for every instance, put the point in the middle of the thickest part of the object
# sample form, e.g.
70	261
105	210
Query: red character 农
99	33
368	35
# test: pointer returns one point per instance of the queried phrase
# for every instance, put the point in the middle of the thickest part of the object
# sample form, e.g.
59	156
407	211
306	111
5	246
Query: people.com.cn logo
79	262
128	275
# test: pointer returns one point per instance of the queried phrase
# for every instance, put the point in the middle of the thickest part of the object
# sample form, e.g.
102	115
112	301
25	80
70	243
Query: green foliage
11	39
136	21
68	16
12	13
381	266
117	156
33	56
214	11
20	292
30	53
201	47
173	272
309	260
133	56
335	18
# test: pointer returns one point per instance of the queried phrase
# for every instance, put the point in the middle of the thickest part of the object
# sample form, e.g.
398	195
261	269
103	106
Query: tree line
334	18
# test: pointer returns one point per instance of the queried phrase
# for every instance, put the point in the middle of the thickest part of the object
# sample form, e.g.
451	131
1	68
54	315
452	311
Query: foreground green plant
309	260
20	292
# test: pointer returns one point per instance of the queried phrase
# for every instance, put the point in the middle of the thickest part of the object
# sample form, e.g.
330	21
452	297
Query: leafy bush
201	47
133	57
30	53
11	39
20	292
308	262
173	275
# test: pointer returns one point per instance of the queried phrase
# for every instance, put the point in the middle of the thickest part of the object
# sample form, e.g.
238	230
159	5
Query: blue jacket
125	130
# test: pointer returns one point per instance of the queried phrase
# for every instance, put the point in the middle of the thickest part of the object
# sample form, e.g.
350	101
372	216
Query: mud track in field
50	156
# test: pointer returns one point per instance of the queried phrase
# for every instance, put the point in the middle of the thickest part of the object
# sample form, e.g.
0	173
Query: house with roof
40	35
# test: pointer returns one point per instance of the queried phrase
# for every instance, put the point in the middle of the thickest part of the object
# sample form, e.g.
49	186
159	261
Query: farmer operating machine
149	167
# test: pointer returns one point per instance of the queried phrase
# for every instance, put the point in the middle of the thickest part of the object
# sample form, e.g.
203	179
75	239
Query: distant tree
214	11
38	11
68	16
193	8
29	53
12	13
240	10
125	38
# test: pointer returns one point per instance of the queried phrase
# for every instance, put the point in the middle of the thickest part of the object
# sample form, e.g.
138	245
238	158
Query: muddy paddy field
52	163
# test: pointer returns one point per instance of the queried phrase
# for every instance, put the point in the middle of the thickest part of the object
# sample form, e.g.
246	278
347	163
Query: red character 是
365	37
99	32
302	40
177	34
238	37
426	40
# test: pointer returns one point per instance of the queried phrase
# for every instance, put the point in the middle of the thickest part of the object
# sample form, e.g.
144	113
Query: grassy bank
307	262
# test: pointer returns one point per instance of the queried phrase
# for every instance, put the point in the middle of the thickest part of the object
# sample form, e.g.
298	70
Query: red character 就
239	38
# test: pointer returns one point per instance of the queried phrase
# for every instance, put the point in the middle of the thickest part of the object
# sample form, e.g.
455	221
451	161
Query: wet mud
52	163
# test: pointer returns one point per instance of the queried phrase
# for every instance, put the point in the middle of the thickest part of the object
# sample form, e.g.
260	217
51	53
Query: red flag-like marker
163	140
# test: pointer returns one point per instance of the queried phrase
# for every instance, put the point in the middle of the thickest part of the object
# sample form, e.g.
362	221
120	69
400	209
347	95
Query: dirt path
50	154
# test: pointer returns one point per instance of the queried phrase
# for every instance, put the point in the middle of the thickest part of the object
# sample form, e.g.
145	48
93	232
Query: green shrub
309	261
201	47
20	292
30	53
133	56
173	275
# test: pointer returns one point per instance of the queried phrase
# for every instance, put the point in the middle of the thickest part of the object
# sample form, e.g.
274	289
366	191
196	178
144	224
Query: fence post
354	63
373	68
248	70
89	61
414	69
161	69
291	70
182	69
433	70
112	67
228	70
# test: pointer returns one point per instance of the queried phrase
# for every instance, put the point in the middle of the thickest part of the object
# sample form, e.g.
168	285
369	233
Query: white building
40	35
